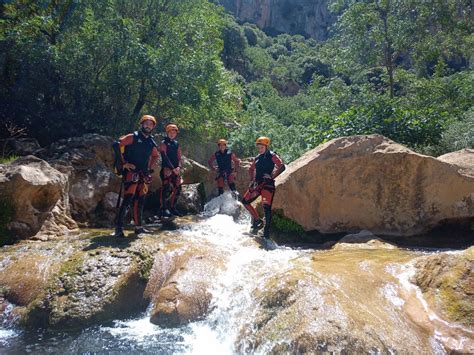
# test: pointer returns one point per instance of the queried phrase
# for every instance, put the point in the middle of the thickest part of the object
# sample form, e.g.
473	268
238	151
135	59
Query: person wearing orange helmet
227	166
137	154
263	171
170	172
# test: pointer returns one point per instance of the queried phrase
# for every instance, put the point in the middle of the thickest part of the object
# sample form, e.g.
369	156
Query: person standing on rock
263	171
138	153
227	166
170	173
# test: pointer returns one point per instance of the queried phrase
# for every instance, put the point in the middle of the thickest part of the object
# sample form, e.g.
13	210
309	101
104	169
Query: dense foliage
78	66
400	68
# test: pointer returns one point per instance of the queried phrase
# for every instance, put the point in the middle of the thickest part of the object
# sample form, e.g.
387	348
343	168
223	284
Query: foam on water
6	334
247	269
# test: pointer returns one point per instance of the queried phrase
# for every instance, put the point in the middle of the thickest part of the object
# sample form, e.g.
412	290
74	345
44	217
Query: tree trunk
139	104
388	48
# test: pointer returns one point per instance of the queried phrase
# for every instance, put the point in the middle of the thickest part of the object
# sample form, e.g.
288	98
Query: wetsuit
263	171
141	151
171	182
227	166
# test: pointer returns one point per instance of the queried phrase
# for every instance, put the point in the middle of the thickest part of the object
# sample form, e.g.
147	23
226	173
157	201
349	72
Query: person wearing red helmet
137	154
263	171
227	166
170	172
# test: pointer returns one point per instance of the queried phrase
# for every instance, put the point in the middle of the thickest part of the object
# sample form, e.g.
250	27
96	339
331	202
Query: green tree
74	67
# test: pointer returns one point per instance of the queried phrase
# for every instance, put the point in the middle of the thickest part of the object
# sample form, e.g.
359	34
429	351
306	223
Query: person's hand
148	179
129	166
177	171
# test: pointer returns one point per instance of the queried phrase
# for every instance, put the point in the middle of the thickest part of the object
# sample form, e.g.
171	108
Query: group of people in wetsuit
137	154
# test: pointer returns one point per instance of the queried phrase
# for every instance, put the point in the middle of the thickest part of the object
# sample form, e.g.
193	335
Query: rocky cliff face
310	18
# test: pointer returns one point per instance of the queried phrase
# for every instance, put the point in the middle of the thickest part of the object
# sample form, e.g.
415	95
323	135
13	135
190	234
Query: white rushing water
247	269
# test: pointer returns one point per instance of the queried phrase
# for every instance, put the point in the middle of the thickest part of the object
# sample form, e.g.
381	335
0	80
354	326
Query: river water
231	326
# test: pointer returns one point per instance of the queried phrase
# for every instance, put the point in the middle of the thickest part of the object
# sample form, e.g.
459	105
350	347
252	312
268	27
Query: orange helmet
263	140
221	141
171	127
148	118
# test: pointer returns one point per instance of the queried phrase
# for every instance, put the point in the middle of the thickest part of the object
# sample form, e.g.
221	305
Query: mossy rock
447	281
94	286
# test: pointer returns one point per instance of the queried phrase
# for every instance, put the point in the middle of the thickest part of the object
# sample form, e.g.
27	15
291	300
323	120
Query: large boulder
370	182
193	173
88	161
104	280
180	283
463	158
243	178
38	196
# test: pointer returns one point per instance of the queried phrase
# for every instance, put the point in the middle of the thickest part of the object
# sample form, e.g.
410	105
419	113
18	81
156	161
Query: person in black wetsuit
137	154
170	174
263	171
227	167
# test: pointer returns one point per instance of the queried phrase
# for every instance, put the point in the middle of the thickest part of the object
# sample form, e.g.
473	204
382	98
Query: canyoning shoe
175	212
166	214
142	230
256	226
118	233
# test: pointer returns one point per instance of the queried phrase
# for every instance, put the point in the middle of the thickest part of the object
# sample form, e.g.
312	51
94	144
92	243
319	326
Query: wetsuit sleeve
164	155
279	166
236	162
153	158
252	170
124	141
211	161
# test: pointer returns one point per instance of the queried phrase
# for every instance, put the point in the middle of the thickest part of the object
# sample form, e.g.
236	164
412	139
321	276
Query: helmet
221	141
171	127
148	118
263	140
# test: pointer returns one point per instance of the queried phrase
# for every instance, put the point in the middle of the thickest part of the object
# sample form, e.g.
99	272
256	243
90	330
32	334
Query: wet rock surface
326	307
180	285
105	280
447	282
